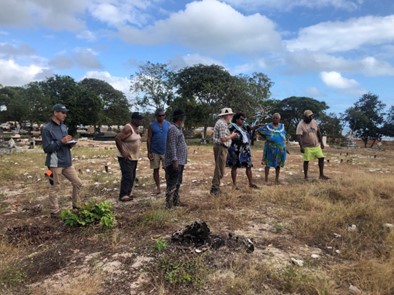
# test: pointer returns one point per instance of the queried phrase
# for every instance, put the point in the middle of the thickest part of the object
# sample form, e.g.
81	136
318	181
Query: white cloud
337	81
209	26
119	83
345	36
87	58
52	14
12	50
61	61
14	74
305	61
188	60
87	35
286	5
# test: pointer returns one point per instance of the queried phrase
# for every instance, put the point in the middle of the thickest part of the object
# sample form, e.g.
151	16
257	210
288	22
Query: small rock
352	228
298	262
315	256
388	225
337	235
354	290
338	251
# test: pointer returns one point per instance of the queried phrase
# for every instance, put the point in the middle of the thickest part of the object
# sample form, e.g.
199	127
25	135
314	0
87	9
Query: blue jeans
174	181
128	168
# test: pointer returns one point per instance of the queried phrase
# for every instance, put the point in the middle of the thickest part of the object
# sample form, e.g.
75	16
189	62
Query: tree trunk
365	140
373	143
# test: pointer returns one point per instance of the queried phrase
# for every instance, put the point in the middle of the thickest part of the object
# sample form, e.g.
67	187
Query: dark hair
178	115
237	116
158	111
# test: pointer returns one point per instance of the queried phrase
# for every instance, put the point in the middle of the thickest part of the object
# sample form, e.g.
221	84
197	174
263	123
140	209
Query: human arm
120	137
320	138
148	143
51	144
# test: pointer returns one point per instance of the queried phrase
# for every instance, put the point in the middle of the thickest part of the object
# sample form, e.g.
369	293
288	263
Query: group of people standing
167	149
232	140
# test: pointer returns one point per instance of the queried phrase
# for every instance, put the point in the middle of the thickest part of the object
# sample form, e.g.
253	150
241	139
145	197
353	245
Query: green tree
292	109
388	126
64	89
331	126
366	117
13	103
40	103
248	93
201	90
154	85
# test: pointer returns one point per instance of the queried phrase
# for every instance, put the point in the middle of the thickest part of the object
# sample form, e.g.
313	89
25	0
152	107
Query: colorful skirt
274	155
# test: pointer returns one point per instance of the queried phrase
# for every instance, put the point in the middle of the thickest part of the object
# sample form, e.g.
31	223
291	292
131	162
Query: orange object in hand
48	173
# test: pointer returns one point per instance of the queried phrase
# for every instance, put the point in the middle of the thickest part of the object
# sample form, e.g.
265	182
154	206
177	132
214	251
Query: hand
66	139
233	135
125	155
175	166
150	156
322	146
302	149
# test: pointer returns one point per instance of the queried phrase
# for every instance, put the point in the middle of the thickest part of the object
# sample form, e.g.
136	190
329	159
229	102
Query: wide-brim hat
225	112
308	113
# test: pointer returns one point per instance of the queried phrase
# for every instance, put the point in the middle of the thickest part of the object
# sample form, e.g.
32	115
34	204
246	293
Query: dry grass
284	221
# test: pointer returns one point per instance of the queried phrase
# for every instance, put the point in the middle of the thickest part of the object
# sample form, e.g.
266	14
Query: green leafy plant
160	244
91	212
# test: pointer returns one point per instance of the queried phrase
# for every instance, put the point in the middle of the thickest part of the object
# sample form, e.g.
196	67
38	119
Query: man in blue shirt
57	145
156	145
175	159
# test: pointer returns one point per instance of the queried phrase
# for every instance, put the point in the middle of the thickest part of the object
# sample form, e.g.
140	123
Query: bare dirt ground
315	237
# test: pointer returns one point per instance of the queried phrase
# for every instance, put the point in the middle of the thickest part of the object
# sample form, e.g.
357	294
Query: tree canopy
366	117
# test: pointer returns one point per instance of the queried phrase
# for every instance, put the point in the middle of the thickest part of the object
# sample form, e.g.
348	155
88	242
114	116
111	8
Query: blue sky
331	50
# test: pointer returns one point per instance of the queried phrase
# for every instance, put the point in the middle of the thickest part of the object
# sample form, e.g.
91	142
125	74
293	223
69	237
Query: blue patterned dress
274	154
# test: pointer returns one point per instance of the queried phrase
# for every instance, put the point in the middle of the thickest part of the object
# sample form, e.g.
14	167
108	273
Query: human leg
171	181
321	169
176	200
127	179
234	175
54	187
220	155
267	172
155	165
306	166
71	174
277	172
248	172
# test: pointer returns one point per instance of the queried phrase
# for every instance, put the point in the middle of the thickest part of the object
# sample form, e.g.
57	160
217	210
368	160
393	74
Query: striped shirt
176	148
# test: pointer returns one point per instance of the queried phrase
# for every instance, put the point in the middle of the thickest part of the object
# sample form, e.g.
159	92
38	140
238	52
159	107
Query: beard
307	120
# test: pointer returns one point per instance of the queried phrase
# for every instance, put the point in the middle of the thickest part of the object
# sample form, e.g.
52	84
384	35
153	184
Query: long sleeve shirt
220	131
176	148
58	154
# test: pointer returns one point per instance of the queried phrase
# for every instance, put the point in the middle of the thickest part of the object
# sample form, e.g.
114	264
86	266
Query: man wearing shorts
311	144
156	145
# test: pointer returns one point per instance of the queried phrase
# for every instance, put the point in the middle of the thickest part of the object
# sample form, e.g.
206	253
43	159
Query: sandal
126	199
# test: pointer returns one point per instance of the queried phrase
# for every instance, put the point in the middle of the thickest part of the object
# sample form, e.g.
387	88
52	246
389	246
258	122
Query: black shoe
215	192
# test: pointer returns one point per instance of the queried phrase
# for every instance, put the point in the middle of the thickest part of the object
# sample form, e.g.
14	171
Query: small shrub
91	212
160	244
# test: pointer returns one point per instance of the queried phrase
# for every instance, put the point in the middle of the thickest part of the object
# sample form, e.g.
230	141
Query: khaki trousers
54	183
220	155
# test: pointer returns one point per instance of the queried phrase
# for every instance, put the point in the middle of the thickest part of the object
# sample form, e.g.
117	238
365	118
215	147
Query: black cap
137	116
59	108
178	114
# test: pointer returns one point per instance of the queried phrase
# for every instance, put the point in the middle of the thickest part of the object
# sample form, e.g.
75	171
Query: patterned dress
239	154
274	154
